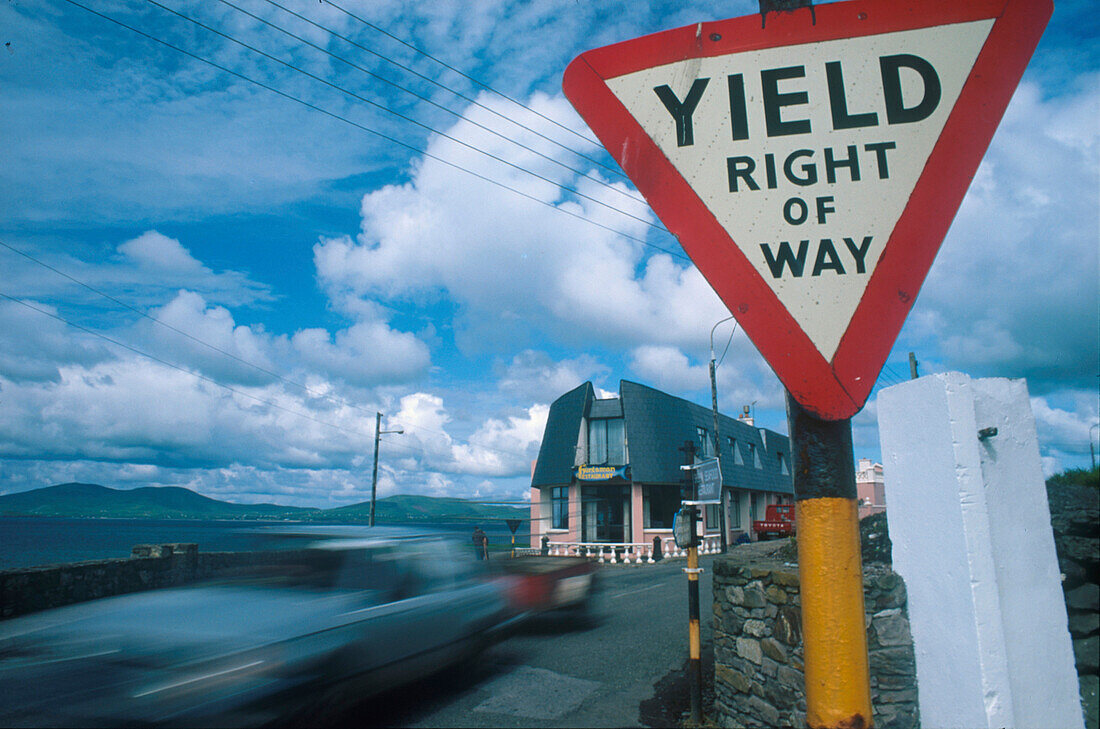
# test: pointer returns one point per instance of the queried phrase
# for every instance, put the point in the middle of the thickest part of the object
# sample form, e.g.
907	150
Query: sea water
37	541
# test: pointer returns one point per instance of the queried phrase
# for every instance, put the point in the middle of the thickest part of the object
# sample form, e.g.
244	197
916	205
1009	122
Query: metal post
838	687
717	441
714	409
374	474
695	665
912	366
1092	451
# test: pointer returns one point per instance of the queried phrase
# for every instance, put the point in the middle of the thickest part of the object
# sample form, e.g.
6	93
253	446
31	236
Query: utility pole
912	366
374	474
717	441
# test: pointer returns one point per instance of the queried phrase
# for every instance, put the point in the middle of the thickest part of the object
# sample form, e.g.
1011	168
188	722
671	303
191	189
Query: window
712	517
783	464
702	439
754	499
559	506
754	456
606	442
661	505
735	511
737	459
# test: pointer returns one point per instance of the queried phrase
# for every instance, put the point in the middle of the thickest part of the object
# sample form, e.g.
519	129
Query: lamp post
717	442
374	475
1091	451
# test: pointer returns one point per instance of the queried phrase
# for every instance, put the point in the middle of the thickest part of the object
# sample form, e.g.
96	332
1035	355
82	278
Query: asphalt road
556	673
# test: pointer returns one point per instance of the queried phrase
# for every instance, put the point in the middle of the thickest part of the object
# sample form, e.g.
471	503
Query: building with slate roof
609	469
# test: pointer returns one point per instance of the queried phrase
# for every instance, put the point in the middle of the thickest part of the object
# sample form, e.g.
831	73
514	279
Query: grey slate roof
559	440
657	424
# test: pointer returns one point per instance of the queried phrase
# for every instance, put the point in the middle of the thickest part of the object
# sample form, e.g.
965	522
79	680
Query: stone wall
1074	514
758	659
32	589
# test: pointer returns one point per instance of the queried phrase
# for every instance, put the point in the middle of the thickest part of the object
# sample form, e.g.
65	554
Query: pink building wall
870	488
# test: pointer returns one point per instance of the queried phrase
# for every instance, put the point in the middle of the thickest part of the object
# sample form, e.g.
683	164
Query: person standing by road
481	543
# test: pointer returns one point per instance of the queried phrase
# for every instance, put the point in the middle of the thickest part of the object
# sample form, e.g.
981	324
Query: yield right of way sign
811	164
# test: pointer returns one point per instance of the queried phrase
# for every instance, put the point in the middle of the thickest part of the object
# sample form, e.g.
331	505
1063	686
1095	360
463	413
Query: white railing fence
628	552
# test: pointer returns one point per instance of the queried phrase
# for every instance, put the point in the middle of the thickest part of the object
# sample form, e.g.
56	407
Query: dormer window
606	442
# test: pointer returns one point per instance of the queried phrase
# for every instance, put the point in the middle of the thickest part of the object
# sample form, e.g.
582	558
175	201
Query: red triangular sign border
835	389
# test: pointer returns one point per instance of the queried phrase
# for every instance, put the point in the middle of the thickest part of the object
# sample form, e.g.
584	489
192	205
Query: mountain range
87	500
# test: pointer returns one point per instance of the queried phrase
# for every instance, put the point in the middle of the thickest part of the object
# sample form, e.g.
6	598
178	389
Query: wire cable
463	75
313	393
425	99
399	115
166	363
728	342
381	135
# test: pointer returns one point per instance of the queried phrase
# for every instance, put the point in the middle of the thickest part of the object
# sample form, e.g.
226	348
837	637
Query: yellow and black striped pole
838	686
695	665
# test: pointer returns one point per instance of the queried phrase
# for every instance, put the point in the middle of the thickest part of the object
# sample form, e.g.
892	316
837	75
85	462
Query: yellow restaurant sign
600	473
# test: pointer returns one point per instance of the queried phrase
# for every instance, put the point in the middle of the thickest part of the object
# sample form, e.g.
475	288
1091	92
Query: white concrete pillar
970	526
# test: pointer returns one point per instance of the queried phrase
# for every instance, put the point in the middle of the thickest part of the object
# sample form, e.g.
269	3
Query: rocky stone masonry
758	660
150	566
1074	515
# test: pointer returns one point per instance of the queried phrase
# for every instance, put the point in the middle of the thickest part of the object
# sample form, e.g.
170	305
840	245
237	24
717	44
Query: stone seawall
758	659
32	589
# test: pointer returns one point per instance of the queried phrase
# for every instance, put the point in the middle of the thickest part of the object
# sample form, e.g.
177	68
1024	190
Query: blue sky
248	280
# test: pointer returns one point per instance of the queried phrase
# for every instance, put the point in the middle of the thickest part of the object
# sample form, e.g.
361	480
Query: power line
375	132
728	342
313	393
211	380
166	363
399	115
459	94
463	75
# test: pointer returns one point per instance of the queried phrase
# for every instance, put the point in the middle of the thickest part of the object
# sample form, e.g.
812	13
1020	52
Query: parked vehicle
364	613
778	521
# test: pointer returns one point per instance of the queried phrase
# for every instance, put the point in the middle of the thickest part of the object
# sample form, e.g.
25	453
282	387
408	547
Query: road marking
535	693
640	589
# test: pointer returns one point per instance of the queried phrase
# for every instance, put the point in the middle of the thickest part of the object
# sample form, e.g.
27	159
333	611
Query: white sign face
807	154
708	482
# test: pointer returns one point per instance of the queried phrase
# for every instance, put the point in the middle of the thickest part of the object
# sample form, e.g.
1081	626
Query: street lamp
1091	451
374	476
714	409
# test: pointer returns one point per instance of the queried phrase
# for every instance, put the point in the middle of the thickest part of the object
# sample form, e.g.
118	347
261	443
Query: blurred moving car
565	585
350	618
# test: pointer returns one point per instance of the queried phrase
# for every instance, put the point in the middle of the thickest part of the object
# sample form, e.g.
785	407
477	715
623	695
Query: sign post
811	165
689	516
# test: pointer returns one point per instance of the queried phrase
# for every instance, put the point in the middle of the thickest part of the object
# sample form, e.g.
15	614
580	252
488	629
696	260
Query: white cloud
668	369
503	447
1065	431
159	253
366	353
536	377
211	341
34	346
1013	291
517	269
498	447
136	412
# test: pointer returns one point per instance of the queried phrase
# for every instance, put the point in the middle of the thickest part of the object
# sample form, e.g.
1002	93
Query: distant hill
422	508
87	500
